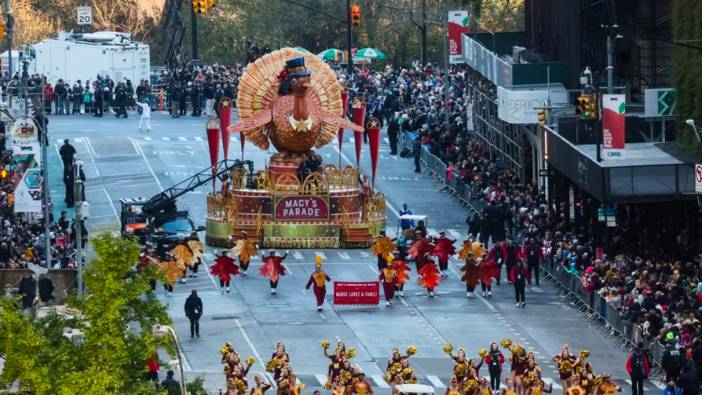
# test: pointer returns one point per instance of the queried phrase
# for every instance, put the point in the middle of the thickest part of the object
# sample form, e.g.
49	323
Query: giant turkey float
294	102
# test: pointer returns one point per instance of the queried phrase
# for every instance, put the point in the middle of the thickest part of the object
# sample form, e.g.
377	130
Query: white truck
81	56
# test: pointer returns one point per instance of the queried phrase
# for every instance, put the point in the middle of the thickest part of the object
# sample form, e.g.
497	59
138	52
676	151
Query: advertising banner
27	183
613	126
351	293
24	135
519	107
301	208
458	25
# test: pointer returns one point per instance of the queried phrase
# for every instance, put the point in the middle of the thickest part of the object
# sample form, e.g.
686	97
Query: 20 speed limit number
85	15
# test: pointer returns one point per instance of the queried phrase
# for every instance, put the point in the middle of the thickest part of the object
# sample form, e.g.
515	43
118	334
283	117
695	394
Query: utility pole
78	220
9	23
611	36
193	34
446	65
349	64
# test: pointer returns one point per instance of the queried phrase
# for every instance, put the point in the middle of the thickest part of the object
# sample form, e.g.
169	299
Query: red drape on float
358	114
213	142
225	119
374	144
345	104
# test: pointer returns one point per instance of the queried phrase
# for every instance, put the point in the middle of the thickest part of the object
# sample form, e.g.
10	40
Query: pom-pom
506	343
584	354
250	360
448	348
482	353
411	350
325	344
351	352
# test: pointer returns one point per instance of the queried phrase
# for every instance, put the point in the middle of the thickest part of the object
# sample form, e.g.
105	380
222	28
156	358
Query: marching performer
279	359
401	268
462	364
273	269
398	365
488	271
443	249
383	247
336	362
244	249
509	387
483	387
183	256
454	388
260	386
388	278
471	276
421	249
224	268
607	386
172	270
565	362
318	281
197	250
430	277
360	386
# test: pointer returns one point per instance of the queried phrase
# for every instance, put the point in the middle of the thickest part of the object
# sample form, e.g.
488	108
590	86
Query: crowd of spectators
648	272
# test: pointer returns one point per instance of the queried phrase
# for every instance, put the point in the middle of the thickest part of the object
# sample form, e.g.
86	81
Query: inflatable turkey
292	100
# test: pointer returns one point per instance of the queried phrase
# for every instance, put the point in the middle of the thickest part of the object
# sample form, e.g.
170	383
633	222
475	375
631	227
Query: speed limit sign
85	15
698	178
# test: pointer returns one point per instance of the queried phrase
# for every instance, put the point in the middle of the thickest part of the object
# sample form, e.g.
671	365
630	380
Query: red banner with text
367	292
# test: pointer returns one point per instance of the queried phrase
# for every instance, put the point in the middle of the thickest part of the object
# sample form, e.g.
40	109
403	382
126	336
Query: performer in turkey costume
383	247
388	279
430	277
488	271
443	249
401	268
420	250
224	268
197	250
318	281
273	268
172	270
244	249
471	275
183	256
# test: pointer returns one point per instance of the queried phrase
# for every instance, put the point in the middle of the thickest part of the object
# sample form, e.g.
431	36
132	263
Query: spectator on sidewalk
671	362
193	310
171	385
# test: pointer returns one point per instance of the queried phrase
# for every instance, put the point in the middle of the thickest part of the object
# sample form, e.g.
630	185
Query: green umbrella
331	54
370	53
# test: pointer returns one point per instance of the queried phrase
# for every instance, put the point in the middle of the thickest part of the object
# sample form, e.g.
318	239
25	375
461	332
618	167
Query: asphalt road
122	162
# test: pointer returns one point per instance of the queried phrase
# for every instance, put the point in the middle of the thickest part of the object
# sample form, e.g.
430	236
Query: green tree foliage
687	27
111	358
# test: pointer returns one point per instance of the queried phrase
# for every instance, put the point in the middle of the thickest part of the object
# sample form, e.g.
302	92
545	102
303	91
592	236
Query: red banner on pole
345	104
358	115
374	144
367	292
213	143
225	119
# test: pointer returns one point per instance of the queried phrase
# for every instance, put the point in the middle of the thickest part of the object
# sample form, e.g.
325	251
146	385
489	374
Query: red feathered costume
488	271
224	268
430	277
420	250
401	268
443	249
273	269
471	275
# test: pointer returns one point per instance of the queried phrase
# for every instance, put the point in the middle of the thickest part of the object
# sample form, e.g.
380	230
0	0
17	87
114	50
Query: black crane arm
166	200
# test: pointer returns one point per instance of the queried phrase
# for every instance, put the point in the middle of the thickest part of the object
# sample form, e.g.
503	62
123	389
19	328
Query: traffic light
587	106
200	6
543	116
211	4
355	16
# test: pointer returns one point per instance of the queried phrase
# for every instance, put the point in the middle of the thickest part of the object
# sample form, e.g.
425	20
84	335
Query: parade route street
121	162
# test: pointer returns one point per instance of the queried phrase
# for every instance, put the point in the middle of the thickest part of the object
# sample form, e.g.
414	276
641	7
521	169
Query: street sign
85	15
698	178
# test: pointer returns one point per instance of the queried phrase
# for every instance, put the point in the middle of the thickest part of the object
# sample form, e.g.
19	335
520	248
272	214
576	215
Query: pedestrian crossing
376	380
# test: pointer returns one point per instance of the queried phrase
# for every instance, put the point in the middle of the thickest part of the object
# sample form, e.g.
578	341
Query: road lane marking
166	138
374	270
198	138
379	380
298	255
148	138
436	382
182	139
344	255
112	204
137	147
454	233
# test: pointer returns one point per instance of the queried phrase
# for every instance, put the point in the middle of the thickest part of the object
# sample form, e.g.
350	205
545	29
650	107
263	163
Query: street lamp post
691	122
167	330
78	219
